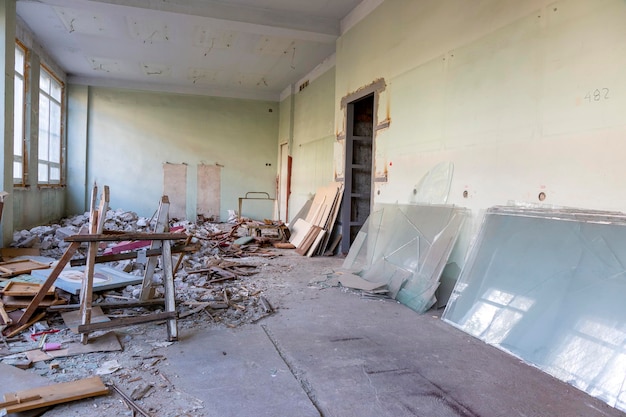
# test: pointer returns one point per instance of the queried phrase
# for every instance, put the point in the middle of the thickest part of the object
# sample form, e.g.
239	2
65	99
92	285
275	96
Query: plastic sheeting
549	287
406	247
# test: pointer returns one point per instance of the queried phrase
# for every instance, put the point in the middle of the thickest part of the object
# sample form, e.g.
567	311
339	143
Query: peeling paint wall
131	134
313	139
523	97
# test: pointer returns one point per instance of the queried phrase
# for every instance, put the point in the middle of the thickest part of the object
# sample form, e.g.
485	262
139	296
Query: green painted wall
523	97
131	134
285	120
314	139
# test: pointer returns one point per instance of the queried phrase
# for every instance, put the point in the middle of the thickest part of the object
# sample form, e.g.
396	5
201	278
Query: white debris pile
211	280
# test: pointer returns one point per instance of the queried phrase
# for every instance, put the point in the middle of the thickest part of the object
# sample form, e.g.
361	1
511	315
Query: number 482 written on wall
598	94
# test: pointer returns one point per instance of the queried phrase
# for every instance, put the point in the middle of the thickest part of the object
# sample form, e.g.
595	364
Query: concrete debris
219	284
211	275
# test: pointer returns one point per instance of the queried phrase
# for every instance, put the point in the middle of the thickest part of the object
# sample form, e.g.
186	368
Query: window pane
50	127
19	60
17	170
44	81
55	174
43	172
55	149
54	152
55	90
18	117
44	133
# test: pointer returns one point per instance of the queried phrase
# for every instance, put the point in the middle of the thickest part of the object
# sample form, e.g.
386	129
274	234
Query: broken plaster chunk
108	367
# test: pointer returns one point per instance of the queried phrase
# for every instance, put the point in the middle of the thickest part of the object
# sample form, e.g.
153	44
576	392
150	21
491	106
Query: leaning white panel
549	287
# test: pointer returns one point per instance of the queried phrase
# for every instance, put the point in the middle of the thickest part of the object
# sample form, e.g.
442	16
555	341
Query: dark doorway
358	168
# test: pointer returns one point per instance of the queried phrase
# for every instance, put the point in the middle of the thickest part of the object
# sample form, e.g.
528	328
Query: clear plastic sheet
407	247
548	286
434	187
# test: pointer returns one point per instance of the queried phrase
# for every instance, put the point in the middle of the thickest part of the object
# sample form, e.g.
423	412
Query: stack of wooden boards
311	235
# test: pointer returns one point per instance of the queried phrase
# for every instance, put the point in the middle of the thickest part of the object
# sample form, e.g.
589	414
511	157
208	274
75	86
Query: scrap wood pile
213	279
207	276
312	234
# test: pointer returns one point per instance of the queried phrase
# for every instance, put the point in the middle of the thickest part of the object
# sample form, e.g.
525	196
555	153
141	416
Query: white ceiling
236	48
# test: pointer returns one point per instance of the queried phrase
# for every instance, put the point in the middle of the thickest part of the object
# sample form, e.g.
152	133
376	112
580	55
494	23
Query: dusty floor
143	362
324	351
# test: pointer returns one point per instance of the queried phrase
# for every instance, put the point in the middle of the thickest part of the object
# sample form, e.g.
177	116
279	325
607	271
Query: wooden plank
105	237
96	225
22	266
24	302
14	379
132	255
12	331
332	219
316	243
111	305
170	297
147	290
69	252
30	289
55	394
308	241
299	231
126	321
4	315
128	245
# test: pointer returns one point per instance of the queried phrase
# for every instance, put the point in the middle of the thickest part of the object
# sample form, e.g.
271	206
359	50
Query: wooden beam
96	225
117	304
170	297
69	252
126	321
132	255
53	394
103	237
162	225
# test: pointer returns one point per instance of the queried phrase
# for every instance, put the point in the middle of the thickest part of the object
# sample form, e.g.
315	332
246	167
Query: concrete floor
328	352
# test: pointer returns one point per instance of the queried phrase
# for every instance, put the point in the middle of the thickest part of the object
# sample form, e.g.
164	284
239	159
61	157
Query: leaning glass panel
548	286
406	247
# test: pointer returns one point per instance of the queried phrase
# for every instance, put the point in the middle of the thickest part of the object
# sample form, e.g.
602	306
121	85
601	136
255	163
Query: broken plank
133	255
126	321
128	236
13	330
311	236
128	245
22	266
112	305
34	304
54	394
16	289
161	226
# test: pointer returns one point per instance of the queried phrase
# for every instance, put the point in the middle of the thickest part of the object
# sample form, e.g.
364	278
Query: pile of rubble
214	282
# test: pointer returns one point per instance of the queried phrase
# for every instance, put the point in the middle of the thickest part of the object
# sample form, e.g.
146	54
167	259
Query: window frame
44	69
24	76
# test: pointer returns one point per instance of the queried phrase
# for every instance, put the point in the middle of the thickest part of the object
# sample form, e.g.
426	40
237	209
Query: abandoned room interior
303	208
